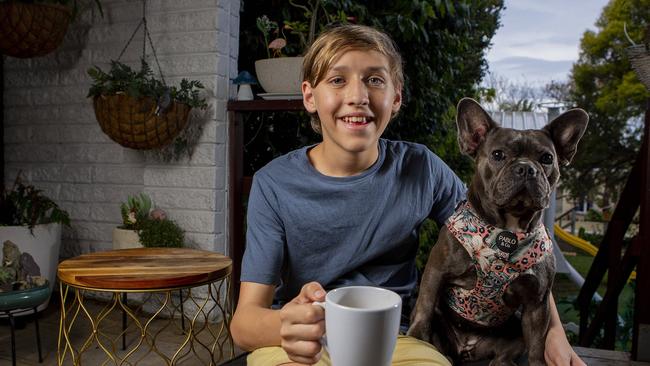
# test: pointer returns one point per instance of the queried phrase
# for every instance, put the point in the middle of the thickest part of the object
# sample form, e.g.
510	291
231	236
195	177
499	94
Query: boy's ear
397	102
308	97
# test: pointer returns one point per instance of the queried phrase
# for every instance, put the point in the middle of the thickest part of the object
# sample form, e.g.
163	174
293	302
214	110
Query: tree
443	44
604	84
501	94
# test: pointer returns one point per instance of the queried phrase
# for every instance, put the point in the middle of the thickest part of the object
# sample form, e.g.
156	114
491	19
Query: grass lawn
565	292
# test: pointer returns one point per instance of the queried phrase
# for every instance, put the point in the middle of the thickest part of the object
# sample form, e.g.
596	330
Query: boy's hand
558	351
303	324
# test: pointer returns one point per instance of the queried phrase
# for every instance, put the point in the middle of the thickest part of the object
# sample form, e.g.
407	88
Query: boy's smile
354	102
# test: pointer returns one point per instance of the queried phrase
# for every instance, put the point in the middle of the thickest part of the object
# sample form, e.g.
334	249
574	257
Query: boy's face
354	101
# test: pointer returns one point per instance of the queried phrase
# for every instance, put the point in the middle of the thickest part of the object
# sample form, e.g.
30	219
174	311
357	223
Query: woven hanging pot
32	30
639	56
131	122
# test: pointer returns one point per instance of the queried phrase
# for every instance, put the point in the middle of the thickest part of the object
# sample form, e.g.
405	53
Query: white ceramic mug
361	325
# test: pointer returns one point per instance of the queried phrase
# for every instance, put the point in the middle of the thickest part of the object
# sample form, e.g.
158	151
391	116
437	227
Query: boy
343	212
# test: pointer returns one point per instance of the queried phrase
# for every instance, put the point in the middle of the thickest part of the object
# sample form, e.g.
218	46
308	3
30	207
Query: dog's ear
473	124
566	131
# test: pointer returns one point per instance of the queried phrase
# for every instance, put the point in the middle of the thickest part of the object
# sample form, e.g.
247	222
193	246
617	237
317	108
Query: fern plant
122	79
24	205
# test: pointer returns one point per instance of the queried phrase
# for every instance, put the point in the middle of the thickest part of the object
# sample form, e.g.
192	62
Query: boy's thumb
311	292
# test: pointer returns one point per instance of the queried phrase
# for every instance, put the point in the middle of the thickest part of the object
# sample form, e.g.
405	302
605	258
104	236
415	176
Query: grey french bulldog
485	289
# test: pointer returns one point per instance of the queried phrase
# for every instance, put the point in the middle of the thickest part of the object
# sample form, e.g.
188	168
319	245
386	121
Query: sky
539	40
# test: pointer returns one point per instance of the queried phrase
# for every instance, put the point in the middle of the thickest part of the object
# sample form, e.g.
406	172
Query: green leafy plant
135	211
122	79
314	13
24	205
161	233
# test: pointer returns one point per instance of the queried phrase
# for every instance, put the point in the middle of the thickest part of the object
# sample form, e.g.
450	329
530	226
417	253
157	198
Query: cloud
532	70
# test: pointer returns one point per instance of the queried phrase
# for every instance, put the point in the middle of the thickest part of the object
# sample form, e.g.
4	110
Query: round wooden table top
144	269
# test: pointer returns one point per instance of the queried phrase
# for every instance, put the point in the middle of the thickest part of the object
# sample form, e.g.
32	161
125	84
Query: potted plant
144	225
22	37
33	222
279	73
139	111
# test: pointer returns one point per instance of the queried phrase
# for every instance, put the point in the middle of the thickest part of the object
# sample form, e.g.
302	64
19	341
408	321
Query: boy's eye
337	80
375	80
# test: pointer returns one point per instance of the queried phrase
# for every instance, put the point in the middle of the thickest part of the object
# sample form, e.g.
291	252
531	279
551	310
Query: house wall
51	133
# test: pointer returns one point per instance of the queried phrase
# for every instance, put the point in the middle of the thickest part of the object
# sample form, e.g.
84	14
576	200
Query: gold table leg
205	342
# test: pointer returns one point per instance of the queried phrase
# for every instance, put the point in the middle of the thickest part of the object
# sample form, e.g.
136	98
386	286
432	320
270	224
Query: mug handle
323	340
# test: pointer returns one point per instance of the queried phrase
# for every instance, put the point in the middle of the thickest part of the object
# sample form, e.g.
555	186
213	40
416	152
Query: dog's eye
546	159
498	155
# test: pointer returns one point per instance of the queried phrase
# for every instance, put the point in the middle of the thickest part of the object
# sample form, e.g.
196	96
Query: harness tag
506	243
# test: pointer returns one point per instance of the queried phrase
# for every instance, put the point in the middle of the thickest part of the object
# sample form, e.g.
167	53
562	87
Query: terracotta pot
125	239
282	75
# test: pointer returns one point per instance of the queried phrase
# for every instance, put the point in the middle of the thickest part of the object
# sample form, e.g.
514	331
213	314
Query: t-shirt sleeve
265	237
448	190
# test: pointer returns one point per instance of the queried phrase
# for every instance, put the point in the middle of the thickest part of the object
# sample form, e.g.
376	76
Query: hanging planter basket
639	56
32	30
133	123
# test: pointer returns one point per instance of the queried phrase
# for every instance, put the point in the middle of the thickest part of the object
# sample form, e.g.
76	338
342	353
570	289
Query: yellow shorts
408	351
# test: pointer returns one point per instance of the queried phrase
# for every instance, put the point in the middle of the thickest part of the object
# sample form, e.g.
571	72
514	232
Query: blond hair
331	45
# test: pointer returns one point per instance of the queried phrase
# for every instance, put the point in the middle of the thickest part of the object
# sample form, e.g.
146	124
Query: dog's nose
525	170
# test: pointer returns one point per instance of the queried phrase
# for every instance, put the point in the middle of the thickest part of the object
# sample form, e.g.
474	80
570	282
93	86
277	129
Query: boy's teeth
354	119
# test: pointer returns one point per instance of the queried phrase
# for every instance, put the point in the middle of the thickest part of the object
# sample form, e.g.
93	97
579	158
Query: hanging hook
627	35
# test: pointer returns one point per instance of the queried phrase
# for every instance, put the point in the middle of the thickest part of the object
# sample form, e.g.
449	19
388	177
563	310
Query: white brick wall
52	135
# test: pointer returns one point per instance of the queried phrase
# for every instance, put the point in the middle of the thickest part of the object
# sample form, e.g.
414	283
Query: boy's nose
357	93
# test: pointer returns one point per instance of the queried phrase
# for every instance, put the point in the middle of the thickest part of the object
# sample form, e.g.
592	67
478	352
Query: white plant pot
280	75
43	246
125	239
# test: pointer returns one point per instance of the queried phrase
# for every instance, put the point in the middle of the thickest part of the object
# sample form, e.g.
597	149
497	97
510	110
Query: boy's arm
254	324
558	351
297	327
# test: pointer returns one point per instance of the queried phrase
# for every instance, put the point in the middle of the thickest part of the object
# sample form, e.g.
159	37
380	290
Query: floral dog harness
499	256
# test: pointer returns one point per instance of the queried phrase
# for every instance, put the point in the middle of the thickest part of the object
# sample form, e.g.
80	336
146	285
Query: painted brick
131	156
195	42
82	112
18	133
63	173
197	177
175	198
87	230
118	174
58	95
184	66
96	193
166	5
75	133
30	115
27	78
18	97
49	133
31	153
95	153
199	241
60	59
196	221
182	21
77	211
105	212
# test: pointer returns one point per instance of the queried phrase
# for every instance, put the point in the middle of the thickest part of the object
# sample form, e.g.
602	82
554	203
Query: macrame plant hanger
163	101
142	123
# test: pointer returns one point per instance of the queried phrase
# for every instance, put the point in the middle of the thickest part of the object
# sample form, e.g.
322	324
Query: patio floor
27	353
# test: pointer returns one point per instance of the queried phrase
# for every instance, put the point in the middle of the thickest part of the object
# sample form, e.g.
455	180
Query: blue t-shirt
303	226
